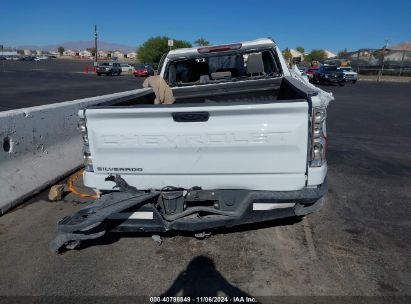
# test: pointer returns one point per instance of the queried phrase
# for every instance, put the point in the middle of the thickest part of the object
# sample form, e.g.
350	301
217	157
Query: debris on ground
56	192
156	238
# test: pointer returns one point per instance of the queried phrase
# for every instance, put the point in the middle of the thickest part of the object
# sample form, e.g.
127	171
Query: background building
117	54
85	54
330	54
296	56
132	55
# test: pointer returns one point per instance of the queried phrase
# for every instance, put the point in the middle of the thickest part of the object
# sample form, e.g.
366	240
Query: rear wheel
354	81
119	73
341	84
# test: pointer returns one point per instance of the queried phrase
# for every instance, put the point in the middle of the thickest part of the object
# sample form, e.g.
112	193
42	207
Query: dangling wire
72	179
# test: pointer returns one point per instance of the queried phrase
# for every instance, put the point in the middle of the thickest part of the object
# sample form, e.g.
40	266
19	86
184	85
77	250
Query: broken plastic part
88	223
121	184
202	235
156	238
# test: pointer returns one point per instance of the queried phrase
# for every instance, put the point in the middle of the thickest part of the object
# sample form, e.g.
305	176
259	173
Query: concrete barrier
40	145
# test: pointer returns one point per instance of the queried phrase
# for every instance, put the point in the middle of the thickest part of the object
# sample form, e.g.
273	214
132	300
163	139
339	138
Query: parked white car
41	58
127	68
349	74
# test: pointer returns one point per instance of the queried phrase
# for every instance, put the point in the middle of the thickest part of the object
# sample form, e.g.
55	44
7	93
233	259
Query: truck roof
244	45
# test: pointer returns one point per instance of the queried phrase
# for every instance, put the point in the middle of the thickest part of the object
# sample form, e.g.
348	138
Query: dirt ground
357	245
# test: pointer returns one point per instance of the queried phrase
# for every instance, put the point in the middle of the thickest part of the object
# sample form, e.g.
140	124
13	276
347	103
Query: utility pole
95	47
2	53
383	59
402	62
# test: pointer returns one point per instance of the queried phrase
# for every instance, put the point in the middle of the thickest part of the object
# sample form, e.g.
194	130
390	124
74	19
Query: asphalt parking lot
357	245
30	83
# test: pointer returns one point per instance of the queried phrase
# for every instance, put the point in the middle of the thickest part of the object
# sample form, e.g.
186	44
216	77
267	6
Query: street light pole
95	48
2	53
383	60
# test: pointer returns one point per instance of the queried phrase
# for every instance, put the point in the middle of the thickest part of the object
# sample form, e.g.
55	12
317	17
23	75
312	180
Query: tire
354	81
98	74
110	73
119	73
341	84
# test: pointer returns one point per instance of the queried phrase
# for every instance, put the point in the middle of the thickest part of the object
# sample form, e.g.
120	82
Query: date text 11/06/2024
222	299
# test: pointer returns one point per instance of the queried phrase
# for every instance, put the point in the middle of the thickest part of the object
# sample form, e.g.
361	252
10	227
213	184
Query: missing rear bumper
219	208
130	210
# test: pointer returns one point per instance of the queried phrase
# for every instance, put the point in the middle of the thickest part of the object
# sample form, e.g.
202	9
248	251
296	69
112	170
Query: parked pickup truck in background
329	74
109	68
349	74
245	141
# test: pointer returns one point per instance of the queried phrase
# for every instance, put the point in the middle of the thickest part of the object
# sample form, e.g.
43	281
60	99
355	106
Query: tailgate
258	146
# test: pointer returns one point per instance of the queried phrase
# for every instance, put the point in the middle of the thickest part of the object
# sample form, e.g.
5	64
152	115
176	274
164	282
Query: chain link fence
378	61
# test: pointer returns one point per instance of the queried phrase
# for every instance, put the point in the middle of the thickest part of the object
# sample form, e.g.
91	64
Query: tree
343	53
92	51
61	50
300	49
202	42
20	52
287	55
315	55
152	50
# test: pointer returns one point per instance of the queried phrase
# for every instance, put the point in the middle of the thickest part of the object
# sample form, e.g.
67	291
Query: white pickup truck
245	141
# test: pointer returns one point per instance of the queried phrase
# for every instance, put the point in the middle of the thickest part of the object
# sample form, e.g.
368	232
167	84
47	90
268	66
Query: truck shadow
202	279
113	237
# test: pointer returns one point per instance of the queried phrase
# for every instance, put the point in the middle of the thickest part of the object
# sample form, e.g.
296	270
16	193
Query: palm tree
202	42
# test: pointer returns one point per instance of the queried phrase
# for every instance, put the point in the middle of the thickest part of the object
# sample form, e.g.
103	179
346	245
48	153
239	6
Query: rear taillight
318	137
88	163
220	48
83	129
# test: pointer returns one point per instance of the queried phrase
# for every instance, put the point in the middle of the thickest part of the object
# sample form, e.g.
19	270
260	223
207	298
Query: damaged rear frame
172	208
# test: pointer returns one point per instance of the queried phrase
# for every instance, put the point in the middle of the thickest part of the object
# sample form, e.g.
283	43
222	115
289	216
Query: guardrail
41	145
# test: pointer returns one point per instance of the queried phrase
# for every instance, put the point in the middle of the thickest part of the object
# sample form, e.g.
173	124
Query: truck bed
242	92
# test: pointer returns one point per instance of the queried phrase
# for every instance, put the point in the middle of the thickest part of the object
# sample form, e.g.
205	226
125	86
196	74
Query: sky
332	25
